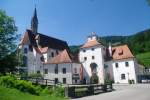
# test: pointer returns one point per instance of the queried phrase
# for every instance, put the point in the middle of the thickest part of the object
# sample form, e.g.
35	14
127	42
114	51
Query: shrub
94	79
45	91
26	86
7	81
35	75
108	81
58	91
131	81
22	85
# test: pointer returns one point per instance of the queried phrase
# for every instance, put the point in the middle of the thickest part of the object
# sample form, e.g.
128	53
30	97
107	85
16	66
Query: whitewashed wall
77	66
109	69
129	71
99	60
69	72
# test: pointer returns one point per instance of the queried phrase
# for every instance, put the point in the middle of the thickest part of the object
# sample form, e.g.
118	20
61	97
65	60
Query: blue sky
74	20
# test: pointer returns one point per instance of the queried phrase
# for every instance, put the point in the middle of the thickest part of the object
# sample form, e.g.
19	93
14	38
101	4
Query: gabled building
116	63
123	65
92	55
49	56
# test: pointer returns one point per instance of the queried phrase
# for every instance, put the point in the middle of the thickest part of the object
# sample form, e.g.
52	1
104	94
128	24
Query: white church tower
91	56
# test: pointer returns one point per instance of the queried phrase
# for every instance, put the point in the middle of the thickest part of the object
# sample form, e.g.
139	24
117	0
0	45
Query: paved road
123	92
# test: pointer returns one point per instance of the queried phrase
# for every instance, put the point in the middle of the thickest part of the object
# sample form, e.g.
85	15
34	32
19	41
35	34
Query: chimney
110	49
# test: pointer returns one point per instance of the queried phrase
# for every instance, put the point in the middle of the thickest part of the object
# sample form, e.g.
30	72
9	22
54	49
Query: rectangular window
116	64
75	81
56	80
25	50
64	70
38	72
42	58
30	48
123	77
93	49
45	71
75	70
93	57
52	54
56	69
85	58
84	50
64	80
127	64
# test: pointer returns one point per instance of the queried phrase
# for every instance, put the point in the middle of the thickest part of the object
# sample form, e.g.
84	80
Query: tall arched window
25	63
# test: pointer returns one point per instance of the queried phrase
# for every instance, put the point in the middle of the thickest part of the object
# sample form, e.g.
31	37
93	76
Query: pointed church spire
34	22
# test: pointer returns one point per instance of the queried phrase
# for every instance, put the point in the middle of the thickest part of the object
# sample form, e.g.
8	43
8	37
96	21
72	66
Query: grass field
14	94
144	59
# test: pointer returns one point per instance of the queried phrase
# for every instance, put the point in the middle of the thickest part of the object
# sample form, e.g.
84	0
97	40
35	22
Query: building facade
91	56
116	63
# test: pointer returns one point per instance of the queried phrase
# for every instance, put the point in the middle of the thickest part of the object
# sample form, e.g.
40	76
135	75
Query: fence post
104	87
46	82
90	90
66	91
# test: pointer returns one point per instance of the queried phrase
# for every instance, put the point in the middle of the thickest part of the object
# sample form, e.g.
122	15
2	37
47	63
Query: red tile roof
24	39
121	52
91	43
62	57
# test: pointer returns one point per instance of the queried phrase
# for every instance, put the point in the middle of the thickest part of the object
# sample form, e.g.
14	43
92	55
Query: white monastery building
117	63
51	58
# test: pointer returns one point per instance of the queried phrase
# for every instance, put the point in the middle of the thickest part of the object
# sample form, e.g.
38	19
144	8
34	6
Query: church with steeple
48	56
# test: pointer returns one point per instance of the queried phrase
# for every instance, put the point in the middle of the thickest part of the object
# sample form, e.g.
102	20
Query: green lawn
14	94
144	59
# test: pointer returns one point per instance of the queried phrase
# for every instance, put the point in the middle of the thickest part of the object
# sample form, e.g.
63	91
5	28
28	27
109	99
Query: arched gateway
94	77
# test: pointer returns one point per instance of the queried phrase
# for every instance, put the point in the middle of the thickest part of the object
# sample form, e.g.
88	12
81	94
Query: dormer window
120	52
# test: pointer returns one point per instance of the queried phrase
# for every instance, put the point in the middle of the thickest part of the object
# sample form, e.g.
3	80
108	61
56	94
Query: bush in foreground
28	87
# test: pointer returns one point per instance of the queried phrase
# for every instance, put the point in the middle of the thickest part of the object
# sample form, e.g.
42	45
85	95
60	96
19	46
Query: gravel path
123	92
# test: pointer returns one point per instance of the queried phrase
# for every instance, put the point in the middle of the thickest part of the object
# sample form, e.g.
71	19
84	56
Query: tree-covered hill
144	59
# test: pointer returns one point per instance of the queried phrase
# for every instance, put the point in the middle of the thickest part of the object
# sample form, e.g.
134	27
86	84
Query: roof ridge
62	57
